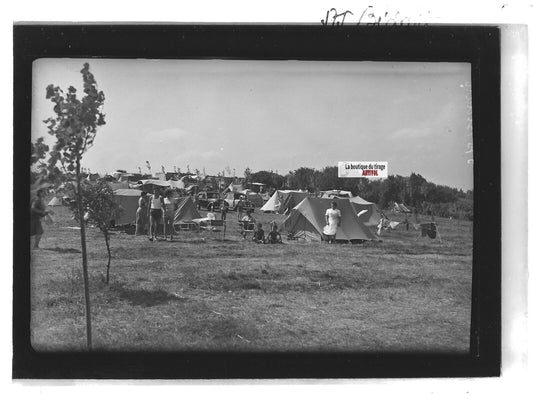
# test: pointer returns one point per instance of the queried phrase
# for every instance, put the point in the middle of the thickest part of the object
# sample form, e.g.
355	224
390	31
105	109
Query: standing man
240	206
155	213
333	221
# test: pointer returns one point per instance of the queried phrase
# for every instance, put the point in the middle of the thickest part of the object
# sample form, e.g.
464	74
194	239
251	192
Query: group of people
157	208
154	209
249	222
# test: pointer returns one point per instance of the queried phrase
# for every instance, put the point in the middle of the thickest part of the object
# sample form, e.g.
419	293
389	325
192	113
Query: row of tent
305	215
307	221
283	202
128	199
306	218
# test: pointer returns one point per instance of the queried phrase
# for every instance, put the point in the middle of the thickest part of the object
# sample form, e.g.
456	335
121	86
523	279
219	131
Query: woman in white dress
333	221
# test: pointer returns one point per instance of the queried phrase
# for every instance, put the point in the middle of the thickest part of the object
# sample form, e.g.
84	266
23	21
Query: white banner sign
363	169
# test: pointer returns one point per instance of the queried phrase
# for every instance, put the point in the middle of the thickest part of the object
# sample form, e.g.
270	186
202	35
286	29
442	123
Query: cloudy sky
273	115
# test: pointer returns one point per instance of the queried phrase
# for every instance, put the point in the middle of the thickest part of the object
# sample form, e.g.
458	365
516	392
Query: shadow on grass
62	250
141	297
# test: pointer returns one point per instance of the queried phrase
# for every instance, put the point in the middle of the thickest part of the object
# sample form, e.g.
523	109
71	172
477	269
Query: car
209	200
232	200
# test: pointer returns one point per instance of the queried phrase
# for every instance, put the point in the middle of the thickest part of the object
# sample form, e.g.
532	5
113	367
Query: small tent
186	211
367	212
400	208
254	198
118	185
307	220
176	184
55	201
128	199
336	193
283	201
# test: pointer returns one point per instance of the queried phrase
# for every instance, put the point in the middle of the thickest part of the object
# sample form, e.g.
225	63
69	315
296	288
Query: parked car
232	199
209	200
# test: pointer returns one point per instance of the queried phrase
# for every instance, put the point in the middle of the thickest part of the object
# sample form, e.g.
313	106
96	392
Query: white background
512	384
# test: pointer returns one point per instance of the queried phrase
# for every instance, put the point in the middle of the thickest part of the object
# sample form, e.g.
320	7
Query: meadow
202	293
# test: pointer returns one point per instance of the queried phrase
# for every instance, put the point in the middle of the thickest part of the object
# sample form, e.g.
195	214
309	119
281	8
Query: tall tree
247	176
302	178
74	127
269	178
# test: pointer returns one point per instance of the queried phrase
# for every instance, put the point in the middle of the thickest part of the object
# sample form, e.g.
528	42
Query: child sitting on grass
274	237
259	234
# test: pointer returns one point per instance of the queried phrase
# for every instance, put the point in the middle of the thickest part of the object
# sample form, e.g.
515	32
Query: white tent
282	200
176	184
55	201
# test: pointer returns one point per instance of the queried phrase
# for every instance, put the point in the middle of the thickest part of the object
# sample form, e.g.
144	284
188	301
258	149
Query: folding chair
246	227
186	226
213	224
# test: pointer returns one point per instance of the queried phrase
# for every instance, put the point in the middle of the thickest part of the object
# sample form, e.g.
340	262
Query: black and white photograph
215	216
263	202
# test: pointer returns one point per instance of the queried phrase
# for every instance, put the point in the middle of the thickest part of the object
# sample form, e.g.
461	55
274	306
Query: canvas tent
367	212
400	208
118	185
254	197
176	184
128	199
55	201
149	185
186	211
307	220
336	193
283	201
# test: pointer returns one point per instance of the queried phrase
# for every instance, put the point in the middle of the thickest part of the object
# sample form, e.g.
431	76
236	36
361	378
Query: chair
213	224
186	226
246	227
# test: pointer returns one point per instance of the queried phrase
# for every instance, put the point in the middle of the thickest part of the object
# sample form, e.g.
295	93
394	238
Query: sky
272	115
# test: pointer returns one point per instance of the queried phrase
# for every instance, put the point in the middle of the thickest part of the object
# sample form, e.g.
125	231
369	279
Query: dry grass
199	293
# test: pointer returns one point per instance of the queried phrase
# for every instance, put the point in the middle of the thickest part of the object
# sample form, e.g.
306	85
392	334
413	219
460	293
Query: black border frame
478	45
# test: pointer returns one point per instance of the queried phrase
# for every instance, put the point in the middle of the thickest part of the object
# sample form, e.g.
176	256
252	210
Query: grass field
199	293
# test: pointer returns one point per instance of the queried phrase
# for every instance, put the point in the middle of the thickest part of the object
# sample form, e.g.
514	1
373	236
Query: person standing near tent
170	211
223	211
240	206
141	218
155	213
333	222
38	211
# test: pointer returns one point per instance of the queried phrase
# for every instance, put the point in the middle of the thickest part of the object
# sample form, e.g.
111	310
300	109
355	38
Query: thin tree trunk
106	236
84	259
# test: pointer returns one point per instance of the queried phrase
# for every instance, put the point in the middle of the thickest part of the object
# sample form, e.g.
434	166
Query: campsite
206	292
365	264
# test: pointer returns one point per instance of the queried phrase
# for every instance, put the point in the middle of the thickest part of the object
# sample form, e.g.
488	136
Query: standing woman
155	213
141	217
169	214
333	221
38	211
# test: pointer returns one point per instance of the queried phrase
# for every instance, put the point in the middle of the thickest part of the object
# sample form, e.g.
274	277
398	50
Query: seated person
247	223
259	234
274	237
